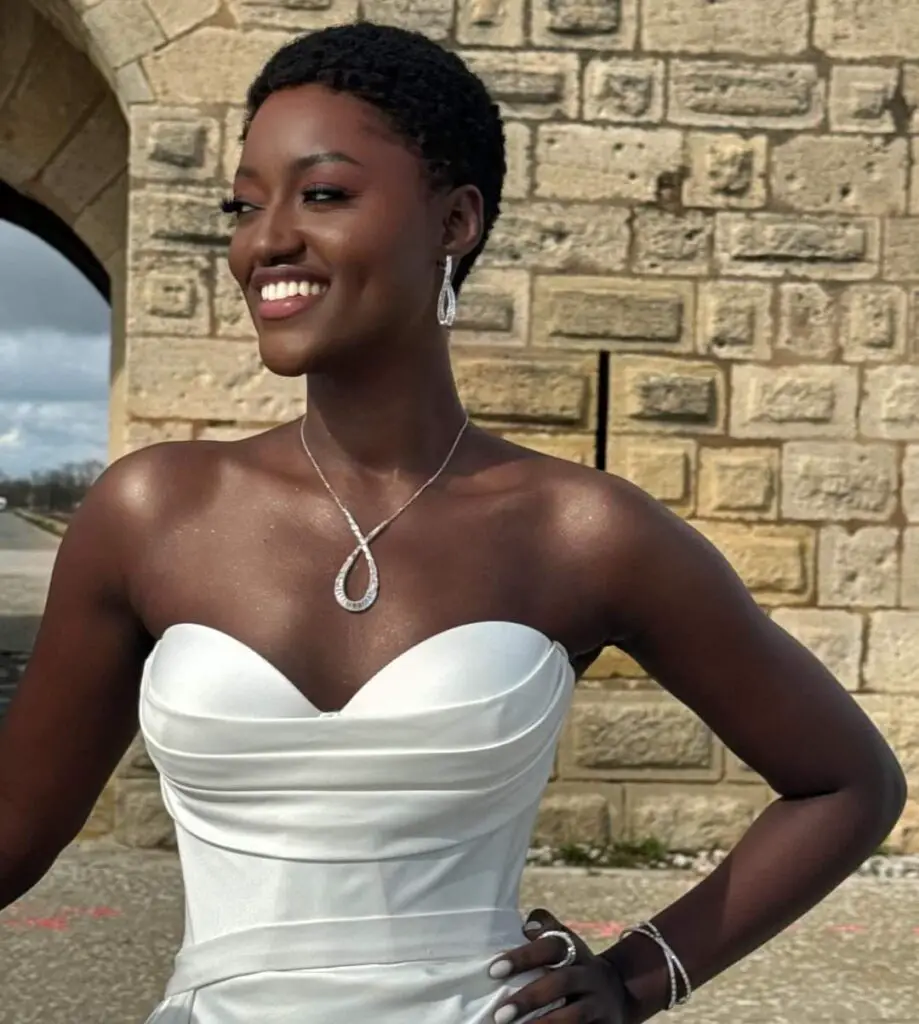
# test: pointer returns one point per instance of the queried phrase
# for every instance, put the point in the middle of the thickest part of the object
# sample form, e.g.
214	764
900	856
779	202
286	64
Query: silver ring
571	950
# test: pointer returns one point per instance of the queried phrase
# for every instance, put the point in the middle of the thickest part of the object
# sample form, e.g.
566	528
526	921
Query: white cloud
54	359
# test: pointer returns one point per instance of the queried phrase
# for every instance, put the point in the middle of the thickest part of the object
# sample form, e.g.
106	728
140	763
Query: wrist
642	968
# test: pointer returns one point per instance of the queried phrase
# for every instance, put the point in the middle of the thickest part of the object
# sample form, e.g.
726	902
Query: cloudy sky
54	353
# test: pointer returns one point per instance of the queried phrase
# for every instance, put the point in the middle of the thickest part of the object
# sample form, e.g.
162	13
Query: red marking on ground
850	929
61	921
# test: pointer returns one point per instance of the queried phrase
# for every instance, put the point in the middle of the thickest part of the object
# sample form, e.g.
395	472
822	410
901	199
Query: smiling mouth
281	299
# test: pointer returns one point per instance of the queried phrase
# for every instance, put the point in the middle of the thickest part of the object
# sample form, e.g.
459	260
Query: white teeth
288	289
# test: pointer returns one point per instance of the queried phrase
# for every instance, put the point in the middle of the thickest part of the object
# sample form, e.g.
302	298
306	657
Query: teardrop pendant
373	583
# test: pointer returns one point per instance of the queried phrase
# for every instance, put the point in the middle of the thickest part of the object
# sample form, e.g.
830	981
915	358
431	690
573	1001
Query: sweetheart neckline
389	666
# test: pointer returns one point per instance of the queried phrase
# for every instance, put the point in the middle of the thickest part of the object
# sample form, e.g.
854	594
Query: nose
277	238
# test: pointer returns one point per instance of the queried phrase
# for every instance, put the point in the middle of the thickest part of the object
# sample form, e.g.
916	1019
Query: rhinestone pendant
373	583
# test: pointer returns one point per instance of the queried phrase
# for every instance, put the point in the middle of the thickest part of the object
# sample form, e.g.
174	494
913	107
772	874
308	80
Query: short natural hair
428	95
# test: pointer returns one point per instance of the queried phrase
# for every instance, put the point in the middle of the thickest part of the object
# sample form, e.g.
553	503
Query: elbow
881	796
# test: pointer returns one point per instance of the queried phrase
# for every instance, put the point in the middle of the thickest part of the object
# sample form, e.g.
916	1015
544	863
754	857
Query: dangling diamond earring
446	302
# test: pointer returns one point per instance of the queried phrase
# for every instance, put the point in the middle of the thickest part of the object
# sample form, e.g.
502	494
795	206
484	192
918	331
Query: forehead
293	123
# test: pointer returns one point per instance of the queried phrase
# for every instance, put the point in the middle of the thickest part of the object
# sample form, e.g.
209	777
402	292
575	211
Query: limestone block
576	238
177	16
839	481
807	325
890	407
735	319
623	314
211	65
559	392
893	657
911	483
225	434
860	569
141	820
905	835
768	28
585	24
861	29
909	587
572	817
295	16
684	819
19	24
624	89
793	401
433	18
491	23
660	395
873	322
169	293
738	483
579	448
726	170
142	433
90	160
914	176
132	86
172	220
103	224
518	145
525	84
662	467
175	144
835	637
860	97
208	379
647	736
123	30
493	308
667	243
841	174
728	94
600	163
232	143
901	249
56	91
776	563
777	245
231	312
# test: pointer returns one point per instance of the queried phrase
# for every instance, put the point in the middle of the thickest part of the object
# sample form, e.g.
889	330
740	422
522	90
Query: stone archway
63	158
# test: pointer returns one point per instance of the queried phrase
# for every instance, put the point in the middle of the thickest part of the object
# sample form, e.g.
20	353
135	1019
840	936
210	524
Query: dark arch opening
31	216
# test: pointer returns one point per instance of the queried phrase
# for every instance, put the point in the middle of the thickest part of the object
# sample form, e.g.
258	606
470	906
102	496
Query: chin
297	354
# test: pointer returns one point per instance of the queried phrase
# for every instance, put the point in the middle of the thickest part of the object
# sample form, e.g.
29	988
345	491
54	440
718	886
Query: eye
324	194
236	207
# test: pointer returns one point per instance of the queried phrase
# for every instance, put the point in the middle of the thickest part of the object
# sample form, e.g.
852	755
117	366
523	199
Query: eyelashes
317	195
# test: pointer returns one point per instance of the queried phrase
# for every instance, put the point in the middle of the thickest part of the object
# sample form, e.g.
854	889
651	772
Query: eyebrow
304	163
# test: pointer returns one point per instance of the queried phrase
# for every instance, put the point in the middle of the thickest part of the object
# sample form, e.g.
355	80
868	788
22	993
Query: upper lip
272	275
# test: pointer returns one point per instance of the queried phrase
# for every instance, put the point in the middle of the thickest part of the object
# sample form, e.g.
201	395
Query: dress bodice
391	832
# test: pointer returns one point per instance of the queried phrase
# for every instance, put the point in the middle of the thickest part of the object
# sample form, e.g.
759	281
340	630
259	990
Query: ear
464	221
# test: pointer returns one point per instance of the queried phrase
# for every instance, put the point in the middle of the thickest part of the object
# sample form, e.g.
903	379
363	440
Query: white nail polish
505	1014
500	969
532	927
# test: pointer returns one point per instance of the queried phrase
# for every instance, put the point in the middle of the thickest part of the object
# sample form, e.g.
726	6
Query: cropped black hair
432	100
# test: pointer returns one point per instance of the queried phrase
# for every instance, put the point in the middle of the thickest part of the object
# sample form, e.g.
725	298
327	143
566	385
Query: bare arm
74	714
693	626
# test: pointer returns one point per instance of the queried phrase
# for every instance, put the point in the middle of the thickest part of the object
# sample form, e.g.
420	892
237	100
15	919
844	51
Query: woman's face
338	233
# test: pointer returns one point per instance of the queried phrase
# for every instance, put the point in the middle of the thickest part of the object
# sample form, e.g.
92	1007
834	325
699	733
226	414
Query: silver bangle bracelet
676	972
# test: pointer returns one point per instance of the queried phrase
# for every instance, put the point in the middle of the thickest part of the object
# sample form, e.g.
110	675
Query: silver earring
446	302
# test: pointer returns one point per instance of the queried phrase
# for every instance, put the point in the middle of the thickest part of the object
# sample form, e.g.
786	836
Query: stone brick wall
709	260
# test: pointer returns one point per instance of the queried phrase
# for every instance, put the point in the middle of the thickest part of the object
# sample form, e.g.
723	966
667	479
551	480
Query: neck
393	419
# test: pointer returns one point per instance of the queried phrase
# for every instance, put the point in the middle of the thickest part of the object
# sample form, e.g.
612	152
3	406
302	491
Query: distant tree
51	490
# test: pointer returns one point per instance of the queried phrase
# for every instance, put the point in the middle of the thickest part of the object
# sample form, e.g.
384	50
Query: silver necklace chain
364	541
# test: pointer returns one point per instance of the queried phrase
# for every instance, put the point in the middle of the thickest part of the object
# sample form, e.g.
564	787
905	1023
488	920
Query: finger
539	921
542	952
554	989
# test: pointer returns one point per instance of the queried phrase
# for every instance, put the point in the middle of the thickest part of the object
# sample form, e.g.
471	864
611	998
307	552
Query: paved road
94	941
26	559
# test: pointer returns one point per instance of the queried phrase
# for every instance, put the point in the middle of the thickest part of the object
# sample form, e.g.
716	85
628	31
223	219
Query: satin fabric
365	862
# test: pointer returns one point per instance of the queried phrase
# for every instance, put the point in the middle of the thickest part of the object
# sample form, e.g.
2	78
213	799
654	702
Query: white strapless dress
354	866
